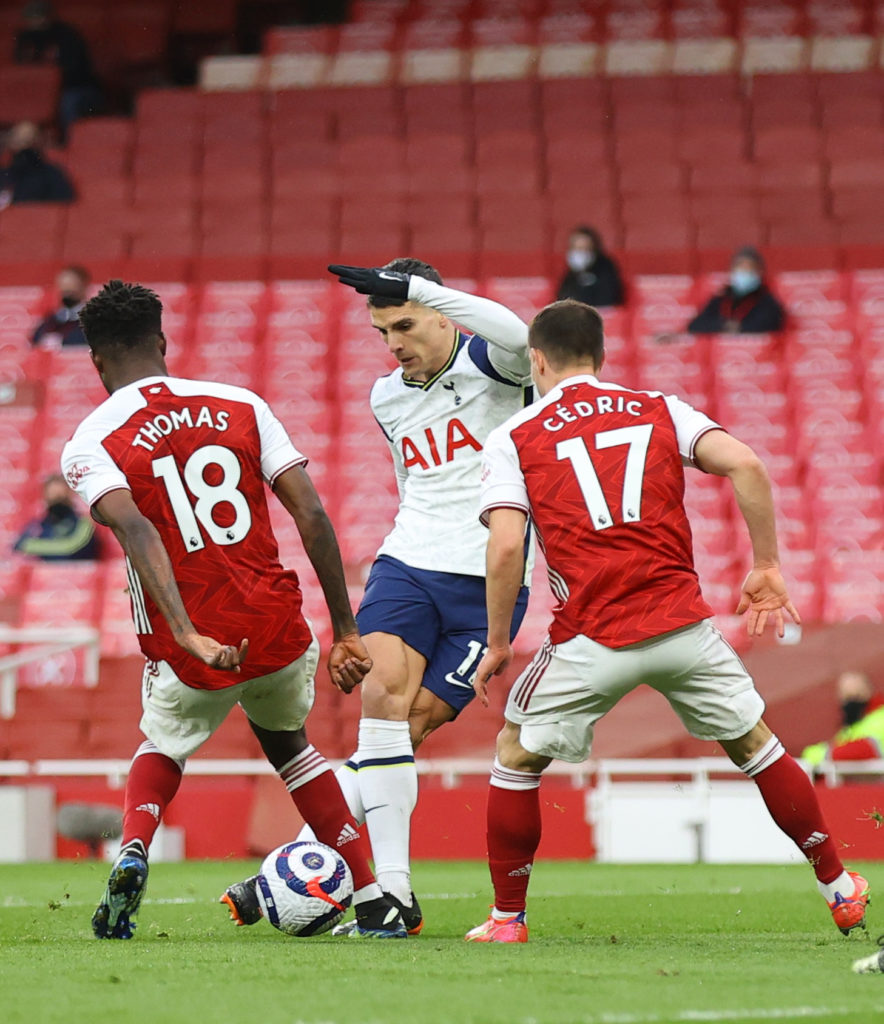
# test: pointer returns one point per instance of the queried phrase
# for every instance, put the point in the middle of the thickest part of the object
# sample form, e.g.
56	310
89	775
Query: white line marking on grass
713	1016
13	903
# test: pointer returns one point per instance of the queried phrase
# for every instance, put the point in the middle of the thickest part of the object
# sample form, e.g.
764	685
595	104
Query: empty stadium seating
231	202
674	169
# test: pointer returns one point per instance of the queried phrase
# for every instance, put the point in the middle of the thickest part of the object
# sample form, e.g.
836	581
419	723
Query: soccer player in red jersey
176	468
598	470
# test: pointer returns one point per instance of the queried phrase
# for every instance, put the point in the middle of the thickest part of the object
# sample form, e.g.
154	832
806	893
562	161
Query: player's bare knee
379	701
745	747
511	753
280	747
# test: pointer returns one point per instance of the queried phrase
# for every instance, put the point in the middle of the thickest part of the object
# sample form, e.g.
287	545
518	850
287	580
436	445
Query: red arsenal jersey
599	470
195	456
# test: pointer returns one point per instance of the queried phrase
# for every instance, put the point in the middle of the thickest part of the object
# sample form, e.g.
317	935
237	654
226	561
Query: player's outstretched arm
498	325
348	661
144	547
763	594
505	564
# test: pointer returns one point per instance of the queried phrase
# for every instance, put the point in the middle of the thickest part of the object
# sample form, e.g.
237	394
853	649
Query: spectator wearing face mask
61	533
861	737
745	305
592	276
26	175
62	327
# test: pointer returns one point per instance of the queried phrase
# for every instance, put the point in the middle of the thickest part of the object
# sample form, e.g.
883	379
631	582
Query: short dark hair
592	234
568	332
80	271
749	252
405	265
121	316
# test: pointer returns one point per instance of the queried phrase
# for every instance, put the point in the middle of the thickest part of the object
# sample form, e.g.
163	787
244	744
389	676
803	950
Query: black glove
373	280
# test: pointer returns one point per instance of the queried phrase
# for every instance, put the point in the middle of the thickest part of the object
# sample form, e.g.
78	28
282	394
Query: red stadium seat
166	107
571	105
437	108
29	93
852	141
102	143
215	19
499	106
786	143
714	143
856	173
649	144
140	34
31	231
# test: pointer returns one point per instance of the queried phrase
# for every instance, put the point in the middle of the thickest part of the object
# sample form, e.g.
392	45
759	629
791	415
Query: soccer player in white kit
422	616
597	469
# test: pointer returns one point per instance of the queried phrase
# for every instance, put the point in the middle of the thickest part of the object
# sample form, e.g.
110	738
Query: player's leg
550	713
277	707
176	720
400	626
513	835
715	697
790	797
385	755
426	714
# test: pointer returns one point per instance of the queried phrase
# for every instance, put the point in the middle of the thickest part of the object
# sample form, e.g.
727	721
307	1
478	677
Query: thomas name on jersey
162	425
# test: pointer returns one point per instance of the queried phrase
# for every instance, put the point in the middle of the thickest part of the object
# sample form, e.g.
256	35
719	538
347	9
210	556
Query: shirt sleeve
506	333
503	485
277	451
89	470
690	426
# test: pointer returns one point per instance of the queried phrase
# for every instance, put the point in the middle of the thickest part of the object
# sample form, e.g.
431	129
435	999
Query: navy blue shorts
442	615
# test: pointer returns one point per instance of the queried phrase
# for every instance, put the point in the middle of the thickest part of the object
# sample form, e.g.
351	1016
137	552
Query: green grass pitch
648	944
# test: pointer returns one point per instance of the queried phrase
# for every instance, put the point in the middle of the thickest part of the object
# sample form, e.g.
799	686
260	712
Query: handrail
50	640
449	768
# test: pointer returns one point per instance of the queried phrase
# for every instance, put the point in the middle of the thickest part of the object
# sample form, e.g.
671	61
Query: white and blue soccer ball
304	888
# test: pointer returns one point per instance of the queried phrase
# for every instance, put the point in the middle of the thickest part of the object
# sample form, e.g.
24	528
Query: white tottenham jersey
437	431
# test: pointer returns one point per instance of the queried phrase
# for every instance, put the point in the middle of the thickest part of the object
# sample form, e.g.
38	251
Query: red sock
793	805
152	783
513	835
317	795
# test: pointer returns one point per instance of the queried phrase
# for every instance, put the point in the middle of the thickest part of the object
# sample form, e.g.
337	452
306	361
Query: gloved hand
373	280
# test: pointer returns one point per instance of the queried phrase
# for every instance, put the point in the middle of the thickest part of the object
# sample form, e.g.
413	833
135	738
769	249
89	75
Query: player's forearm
321	545
505	563
490	320
755	500
150	560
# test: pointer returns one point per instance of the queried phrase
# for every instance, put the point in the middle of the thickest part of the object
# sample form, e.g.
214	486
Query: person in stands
62	327
592	276
26	175
61	533
861	736
745	305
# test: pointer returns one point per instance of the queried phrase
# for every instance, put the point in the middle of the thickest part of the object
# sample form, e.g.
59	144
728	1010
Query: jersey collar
578	378
425	385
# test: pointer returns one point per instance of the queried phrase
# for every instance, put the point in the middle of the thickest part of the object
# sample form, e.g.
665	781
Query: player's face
418	337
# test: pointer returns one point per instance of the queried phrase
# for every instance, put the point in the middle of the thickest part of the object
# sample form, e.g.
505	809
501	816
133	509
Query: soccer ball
304	888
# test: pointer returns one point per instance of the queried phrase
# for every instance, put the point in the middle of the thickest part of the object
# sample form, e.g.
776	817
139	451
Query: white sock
366	893
502	915
843	884
348	780
388	785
